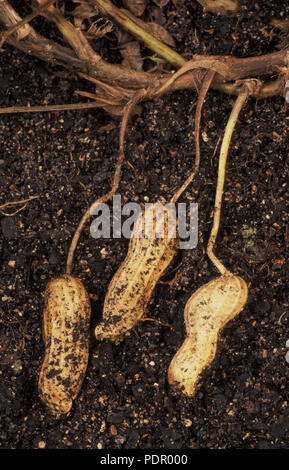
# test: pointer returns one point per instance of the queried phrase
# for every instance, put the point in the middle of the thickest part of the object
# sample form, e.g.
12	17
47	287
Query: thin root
14	203
209	76
53	107
116	179
158	322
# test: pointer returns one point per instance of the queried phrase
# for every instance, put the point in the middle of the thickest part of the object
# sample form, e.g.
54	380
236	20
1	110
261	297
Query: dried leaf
157	15
122	36
130	50
137	7
283	25
99	28
220	7
156	30
131	54
161	3
81	13
160	33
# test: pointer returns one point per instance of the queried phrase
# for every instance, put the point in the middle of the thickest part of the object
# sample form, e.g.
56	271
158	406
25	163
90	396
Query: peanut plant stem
119	16
236	68
27	40
238	105
25	20
72	35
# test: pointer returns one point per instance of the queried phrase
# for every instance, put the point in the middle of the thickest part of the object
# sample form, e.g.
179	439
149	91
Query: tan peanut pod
132	285
206	313
66	321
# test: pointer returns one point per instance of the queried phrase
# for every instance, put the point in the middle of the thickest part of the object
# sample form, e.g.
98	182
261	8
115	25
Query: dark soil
68	160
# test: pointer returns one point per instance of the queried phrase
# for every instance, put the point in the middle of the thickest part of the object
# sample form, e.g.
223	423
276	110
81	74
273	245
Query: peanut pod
66	335
206	313
132	285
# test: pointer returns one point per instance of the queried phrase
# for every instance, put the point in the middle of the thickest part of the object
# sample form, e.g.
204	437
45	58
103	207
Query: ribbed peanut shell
132	285
66	335
206	313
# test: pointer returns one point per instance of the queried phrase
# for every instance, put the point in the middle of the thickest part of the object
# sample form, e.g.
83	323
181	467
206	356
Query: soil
68	159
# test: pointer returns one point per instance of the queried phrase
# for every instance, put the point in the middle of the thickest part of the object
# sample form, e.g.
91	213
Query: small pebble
188	423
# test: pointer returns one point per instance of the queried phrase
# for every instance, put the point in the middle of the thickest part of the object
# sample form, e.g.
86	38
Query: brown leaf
122	36
137	7
99	28
160	33
157	16
156	30
81	13
221	7
161	3
131	54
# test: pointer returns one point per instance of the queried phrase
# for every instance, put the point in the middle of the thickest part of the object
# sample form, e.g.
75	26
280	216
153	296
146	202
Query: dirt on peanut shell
67	159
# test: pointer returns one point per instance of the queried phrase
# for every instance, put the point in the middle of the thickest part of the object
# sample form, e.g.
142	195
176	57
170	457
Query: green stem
238	105
119	16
